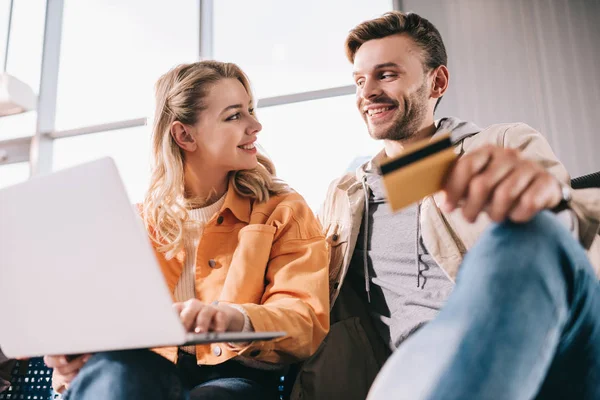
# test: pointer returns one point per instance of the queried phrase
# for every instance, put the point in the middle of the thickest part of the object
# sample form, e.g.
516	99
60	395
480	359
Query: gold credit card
418	171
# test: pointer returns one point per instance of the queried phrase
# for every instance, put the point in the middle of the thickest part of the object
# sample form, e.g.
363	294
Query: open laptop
77	271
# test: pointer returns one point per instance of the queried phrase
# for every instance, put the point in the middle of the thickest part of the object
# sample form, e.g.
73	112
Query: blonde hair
181	96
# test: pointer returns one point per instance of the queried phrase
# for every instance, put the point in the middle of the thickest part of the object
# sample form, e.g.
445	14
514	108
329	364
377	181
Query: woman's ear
182	135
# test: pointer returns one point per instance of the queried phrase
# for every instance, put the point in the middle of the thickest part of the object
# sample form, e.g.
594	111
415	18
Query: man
522	318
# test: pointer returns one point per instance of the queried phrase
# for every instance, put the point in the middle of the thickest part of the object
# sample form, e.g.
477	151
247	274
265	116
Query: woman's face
226	130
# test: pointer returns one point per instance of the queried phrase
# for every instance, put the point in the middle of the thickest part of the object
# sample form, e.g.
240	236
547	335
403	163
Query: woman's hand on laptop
199	317
65	369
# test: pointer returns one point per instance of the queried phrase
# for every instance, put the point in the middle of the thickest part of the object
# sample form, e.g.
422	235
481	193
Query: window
290	47
16	126
24	57
12	174
113	51
314	142
130	148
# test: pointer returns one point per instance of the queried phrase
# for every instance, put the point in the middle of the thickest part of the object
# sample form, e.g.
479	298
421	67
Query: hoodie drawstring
417	255
366	239
366	243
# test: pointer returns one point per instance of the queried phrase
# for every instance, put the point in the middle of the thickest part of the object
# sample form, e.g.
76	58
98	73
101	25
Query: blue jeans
143	374
522	323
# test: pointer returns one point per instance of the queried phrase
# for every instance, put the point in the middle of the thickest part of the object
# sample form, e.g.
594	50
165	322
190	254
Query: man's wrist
565	201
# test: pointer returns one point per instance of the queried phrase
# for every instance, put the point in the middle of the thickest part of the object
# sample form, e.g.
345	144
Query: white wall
533	61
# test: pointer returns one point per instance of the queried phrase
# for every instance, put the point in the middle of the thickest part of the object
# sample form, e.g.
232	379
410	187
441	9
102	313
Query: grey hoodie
403	285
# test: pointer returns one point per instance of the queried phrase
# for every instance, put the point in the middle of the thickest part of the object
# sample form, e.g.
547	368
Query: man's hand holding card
418	172
491	179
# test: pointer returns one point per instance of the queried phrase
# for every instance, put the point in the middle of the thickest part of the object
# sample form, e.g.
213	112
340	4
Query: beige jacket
349	358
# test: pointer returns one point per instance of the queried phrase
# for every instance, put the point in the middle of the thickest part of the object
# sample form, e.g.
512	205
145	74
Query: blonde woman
239	250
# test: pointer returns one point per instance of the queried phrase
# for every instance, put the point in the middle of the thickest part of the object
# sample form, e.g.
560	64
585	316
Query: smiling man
481	291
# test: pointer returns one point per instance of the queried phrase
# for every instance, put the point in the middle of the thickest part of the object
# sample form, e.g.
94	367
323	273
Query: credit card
418	172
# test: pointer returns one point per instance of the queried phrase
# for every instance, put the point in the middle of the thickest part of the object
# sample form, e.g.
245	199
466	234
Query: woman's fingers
205	318
65	366
65	370
200	317
189	313
220	322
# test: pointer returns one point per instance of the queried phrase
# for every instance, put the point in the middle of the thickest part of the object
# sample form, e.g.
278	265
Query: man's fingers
508	191
482	185
538	196
459	177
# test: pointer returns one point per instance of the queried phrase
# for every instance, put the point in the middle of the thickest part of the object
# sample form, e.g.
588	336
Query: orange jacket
270	258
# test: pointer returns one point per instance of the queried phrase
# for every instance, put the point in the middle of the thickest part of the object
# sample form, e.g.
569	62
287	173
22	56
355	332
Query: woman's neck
204	188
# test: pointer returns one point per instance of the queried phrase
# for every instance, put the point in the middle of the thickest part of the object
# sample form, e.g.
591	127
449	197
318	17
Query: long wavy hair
181	96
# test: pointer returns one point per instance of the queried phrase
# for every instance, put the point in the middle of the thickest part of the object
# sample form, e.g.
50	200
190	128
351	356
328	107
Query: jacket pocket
245	281
343	367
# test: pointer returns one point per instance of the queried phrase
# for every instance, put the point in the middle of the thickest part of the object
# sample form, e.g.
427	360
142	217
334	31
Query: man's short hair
423	32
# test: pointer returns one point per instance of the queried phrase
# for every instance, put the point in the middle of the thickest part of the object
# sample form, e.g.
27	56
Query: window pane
312	143
130	148
19	125
288	47
12	174
24	57
113	51
26	39
308	158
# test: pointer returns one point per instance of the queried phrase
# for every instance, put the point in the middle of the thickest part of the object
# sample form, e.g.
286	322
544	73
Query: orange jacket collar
239	205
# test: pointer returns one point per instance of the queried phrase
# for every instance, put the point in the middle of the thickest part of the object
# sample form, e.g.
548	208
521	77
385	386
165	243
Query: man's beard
407	124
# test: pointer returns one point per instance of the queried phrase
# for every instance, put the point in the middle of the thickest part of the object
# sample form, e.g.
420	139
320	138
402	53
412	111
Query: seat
586	181
30	380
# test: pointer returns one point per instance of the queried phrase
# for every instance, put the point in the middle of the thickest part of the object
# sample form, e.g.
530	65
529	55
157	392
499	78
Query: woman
239	251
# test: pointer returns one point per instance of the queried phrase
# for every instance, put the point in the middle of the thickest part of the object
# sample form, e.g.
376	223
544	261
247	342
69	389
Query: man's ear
439	85
183	137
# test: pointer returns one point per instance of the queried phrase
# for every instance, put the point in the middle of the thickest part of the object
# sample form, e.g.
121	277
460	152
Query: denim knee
127	374
544	227
541	250
117	365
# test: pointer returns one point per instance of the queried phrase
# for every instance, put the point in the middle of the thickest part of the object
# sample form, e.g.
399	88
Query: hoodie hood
458	129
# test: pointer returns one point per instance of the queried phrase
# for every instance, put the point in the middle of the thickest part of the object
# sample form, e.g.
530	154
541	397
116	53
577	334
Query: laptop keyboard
31	380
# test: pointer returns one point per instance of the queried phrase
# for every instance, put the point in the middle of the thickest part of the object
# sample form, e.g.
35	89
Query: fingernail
63	361
197	330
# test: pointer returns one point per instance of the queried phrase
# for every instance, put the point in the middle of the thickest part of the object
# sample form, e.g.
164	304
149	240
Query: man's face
392	89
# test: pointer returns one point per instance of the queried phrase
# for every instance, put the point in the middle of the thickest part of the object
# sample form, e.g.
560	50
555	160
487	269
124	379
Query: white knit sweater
193	228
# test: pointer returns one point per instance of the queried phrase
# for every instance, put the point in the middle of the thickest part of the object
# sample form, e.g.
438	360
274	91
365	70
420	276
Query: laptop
78	273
